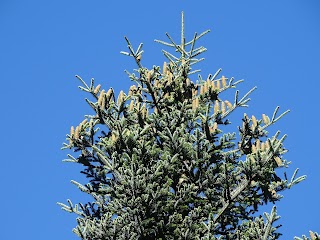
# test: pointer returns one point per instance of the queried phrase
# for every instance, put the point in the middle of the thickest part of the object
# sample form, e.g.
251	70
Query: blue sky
273	45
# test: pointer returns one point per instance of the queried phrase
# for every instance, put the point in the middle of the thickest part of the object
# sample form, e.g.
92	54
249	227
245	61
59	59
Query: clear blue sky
273	45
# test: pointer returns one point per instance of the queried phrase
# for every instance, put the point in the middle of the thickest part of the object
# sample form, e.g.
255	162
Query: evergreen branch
294	175
243	103
138	49
100	155
193	44
153	96
230	110
90	103
274	119
199	36
276	148
84	83
80	186
164	43
91	84
65	207
182	34
129	46
195	71
202	50
139	54
216	74
237	82
230	85
170	57
194	61
275	113
65	146
281	115
70	159
270	220
245	183
84	89
180	49
196	50
126	53
236	97
132	52
231	81
313	236
247	94
294	180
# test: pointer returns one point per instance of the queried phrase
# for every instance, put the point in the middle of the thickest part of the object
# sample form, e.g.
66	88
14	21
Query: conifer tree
160	164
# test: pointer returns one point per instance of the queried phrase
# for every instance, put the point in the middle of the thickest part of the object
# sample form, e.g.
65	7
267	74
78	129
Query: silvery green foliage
313	236
159	164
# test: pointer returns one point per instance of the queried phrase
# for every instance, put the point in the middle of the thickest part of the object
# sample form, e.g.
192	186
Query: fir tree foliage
160	165
313	236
